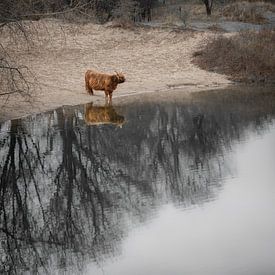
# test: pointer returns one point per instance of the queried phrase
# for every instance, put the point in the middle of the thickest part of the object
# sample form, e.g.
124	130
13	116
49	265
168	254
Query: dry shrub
176	15
197	10
250	12
121	23
248	56
215	28
126	10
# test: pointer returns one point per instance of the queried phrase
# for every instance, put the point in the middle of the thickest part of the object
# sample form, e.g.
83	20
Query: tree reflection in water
69	192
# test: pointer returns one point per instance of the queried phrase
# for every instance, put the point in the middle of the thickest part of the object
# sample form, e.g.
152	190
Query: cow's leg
108	97
88	89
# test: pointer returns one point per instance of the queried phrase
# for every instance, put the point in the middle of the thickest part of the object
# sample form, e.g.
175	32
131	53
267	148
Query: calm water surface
176	185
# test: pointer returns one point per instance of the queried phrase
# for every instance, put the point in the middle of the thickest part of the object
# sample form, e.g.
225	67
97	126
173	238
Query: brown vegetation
248	56
105	82
250	12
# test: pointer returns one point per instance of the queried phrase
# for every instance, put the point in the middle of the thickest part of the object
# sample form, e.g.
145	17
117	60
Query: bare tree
12	75
146	9
208	5
16	78
127	10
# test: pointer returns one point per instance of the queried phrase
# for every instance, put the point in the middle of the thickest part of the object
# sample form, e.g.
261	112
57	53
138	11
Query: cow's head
120	77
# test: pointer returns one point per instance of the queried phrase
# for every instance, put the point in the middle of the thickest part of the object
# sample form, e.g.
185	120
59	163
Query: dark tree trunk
208	5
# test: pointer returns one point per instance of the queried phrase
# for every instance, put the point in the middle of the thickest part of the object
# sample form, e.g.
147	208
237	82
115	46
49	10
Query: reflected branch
68	195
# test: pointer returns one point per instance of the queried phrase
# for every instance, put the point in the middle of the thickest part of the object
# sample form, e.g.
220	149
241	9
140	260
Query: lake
178	184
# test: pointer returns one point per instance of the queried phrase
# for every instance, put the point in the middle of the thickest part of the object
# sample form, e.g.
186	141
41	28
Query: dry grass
248	56
250	12
121	23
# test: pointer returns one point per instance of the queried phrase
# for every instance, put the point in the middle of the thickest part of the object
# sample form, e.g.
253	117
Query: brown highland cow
99	81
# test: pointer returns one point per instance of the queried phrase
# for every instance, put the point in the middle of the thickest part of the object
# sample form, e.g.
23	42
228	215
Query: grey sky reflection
234	234
73	194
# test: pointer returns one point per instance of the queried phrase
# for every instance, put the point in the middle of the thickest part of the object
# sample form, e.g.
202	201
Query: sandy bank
153	59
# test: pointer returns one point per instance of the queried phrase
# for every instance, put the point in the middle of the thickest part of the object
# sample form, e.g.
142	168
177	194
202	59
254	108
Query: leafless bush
14	79
251	12
126	10
18	32
248	56
177	15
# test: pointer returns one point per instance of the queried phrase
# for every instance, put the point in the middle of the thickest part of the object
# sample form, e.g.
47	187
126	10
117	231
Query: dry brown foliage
246	11
248	56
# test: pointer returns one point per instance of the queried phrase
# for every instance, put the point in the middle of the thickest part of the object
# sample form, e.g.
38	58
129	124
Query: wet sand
152	59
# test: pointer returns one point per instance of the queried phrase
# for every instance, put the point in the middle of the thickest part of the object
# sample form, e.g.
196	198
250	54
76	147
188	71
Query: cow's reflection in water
96	115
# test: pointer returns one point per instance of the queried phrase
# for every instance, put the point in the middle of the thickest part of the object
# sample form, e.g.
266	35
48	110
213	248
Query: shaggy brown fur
99	81
95	115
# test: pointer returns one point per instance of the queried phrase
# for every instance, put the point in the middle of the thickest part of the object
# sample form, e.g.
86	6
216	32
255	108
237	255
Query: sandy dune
152	59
